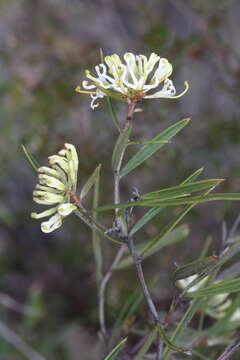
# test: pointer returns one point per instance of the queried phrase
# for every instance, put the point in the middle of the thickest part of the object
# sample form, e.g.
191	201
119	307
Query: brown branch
106	278
131	108
12	338
102	288
138	264
230	349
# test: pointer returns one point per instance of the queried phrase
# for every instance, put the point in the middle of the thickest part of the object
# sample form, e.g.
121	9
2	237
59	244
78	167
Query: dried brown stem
106	278
12	338
102	288
138	264
230	349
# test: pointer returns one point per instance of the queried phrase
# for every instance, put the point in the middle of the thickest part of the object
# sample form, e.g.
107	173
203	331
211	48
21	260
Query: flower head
217	304
56	183
136	79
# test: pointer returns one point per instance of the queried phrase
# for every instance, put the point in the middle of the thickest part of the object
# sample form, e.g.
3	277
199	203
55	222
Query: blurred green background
45	46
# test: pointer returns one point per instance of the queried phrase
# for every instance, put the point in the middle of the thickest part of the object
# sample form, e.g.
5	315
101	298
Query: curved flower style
56	183
132	81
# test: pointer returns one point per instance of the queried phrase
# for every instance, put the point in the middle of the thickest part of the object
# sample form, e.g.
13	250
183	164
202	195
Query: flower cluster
217	304
133	81
56	185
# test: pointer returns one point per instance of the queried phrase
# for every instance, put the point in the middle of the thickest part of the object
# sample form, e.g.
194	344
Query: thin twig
233	229
116	182
106	278
14	305
102	291
12	338
90	221
131	107
230	349
137	261
159	347
147	295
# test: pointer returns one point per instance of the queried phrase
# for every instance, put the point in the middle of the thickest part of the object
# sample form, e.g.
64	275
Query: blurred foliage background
45	46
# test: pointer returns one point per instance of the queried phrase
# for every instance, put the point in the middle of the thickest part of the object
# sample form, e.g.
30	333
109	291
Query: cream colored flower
136	79
217	305
56	183
183	283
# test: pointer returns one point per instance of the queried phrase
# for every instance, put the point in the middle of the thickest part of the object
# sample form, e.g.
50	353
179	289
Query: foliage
41	111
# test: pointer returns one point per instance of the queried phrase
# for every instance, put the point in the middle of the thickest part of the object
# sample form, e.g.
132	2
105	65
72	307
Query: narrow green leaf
175	202
127	310
90	182
148	142
206	246
31	158
150	214
193	268
97	248
173	237
169	227
170	344
181	190
188	315
226	256
116	350
223	287
146	151
101	55
151	338
220	196
193	176
120	145
113	113
145	219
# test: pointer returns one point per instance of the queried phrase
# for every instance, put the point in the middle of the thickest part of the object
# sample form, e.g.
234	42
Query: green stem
90	221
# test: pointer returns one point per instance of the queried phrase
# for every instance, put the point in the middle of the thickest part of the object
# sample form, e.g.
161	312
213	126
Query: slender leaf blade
223	287
31	158
127	310
90	182
188	200
148	150
193	268
193	176
97	248
170	344
113	354
113	113
147	142
144	349
173	237
226	256
120	145
188	315
169	227
150	214
182	189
